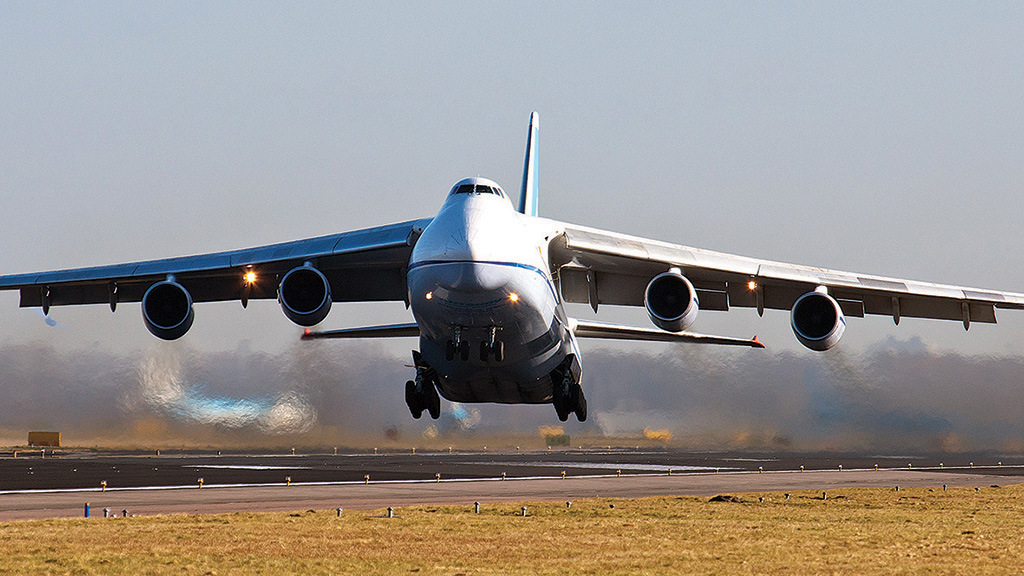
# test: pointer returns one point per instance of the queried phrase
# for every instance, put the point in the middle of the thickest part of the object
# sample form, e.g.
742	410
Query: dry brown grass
916	531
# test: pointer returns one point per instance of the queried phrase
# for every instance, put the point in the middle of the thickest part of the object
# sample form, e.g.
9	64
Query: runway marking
614	466
691	474
248	467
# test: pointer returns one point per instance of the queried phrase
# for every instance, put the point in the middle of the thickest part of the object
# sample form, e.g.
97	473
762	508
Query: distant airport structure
48	439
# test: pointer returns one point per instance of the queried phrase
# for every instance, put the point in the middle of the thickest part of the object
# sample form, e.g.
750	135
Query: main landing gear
421	394
458	346
567	394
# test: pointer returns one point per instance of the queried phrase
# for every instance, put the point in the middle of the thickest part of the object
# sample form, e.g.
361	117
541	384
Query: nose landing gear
492	346
421	394
457	346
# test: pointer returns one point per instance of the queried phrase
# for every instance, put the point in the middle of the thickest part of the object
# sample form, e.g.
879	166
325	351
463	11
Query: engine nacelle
167	310
817	321
305	295
671	301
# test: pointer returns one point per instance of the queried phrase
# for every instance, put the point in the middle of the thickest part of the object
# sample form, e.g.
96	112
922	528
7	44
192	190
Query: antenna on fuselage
528	192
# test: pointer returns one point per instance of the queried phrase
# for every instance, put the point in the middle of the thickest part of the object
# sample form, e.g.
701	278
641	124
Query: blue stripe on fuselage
520	265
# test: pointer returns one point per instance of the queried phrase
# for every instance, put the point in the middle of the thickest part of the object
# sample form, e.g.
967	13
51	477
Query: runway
148	484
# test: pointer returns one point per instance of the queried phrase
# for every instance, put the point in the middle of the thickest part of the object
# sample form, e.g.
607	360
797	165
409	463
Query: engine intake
817	321
167	310
671	301
305	295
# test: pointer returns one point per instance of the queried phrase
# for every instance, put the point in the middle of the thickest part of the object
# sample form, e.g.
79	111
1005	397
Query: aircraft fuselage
478	276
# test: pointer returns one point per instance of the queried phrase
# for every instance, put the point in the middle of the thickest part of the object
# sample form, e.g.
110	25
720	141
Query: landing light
752	285
250	277
429	295
513	297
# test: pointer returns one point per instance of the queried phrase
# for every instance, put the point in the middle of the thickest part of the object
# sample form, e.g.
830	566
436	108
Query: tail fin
528	193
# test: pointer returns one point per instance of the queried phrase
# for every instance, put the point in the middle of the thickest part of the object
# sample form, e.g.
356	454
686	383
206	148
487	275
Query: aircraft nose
474	277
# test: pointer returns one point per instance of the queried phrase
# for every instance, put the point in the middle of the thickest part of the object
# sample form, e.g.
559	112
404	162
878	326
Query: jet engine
305	295
671	301
167	310
817	321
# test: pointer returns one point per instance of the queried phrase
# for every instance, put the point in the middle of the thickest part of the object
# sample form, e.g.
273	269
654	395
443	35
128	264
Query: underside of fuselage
469	311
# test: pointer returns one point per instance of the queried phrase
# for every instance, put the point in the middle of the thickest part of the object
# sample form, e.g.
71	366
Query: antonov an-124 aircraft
487	282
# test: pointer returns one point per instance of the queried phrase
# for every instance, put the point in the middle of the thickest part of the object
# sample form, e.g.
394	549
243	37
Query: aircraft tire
485	350
432	400
581	408
562	415
449	350
499	350
412	399
464	350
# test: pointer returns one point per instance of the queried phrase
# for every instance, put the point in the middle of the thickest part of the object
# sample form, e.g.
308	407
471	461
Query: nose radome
475	277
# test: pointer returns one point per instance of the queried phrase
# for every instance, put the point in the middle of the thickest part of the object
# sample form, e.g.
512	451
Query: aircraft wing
599	267
361	265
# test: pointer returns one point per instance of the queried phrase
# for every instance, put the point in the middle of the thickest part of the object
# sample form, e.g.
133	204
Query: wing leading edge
615	268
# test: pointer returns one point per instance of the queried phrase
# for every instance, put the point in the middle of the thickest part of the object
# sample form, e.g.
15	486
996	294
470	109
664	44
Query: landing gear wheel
434	402
449	350
464	350
499	350
562	400
562	416
579	403
485	350
412	399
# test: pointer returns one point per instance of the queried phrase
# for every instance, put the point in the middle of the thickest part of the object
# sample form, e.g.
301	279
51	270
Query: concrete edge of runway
24	505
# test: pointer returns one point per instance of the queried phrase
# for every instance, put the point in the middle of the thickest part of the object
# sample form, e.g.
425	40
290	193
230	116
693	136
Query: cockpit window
476	189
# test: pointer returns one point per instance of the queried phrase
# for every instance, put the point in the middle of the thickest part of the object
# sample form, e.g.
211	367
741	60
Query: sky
872	137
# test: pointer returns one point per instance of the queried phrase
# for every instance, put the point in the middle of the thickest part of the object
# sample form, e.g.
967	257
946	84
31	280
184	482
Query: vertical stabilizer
528	193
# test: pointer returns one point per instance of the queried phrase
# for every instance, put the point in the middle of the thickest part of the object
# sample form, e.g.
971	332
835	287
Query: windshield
476	189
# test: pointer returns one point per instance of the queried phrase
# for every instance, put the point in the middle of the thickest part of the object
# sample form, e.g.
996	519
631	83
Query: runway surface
35	487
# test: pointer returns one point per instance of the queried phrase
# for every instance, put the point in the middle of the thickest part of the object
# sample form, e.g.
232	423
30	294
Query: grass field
856	531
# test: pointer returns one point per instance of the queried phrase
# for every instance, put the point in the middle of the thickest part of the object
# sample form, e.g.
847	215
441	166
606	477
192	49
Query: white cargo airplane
487	286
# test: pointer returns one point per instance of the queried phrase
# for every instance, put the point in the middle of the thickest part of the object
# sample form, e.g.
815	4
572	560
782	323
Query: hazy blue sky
877	137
